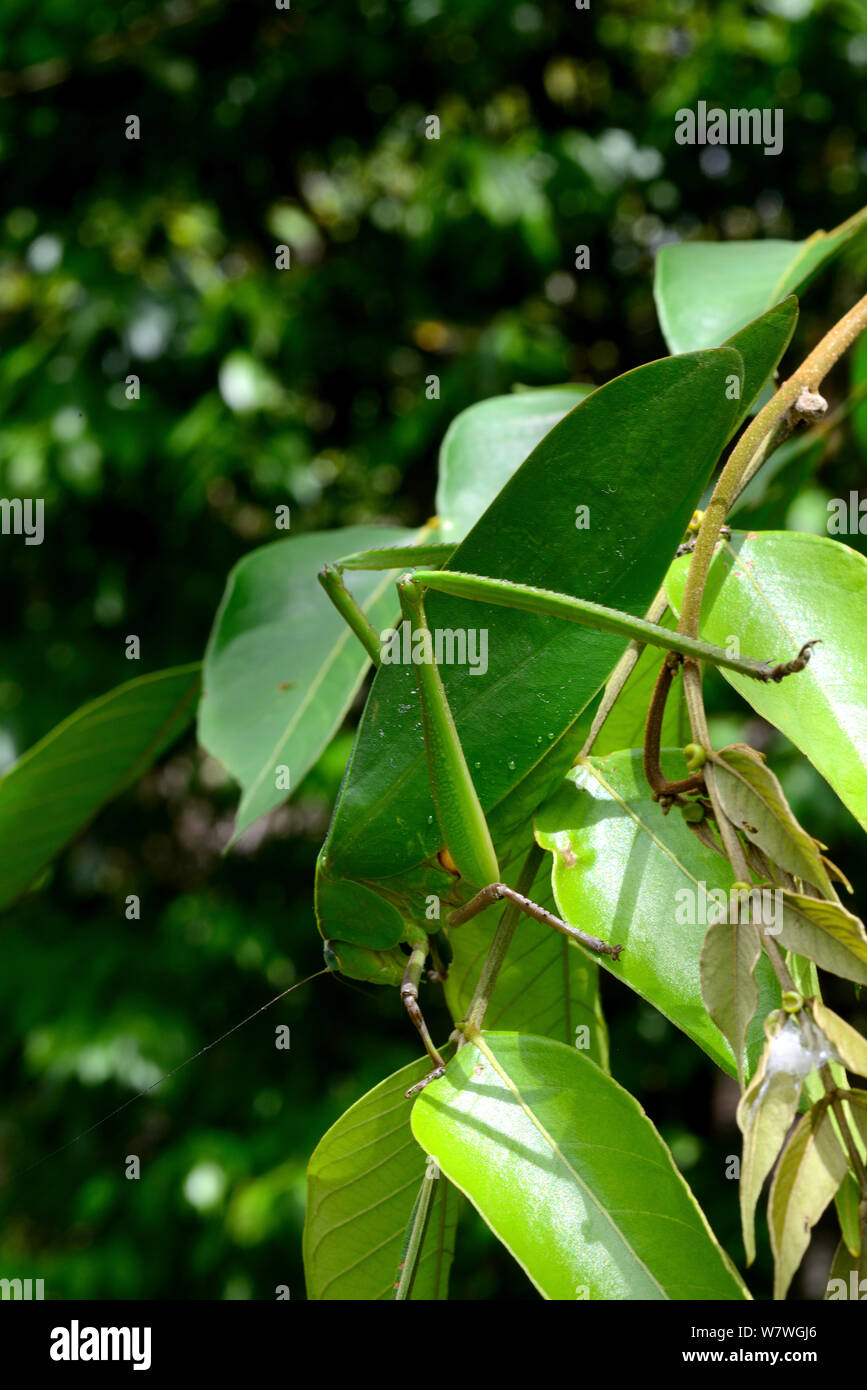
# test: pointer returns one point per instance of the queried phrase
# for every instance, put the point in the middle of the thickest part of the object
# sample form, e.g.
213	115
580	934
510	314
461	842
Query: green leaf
570	1174
362	1182
729	956
486	443
624	871
808	1174
848	1043
847	1202
282	667
754	801
775	591
706	291
384	819
824	932
761	345
60	784
851	1212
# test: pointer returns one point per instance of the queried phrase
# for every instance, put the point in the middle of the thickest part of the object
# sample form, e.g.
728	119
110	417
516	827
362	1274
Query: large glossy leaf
362	1182
570	1174
486	443
282	667
58	786
775	591
625	872
761	345
706	290
541	672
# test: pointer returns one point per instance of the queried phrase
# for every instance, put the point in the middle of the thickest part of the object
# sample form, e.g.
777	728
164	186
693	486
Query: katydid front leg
507	594
388	558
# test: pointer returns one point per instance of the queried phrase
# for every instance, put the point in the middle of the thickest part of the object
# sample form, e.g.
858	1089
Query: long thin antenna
110	1116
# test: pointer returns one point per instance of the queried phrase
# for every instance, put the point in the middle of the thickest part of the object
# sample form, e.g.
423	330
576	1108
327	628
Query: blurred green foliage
411	257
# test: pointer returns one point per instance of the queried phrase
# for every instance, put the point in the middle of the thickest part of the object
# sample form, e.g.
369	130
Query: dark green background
410	257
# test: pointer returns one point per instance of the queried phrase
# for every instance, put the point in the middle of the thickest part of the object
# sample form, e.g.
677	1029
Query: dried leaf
764	1116
811	1168
826	933
755	802
848	1043
727	966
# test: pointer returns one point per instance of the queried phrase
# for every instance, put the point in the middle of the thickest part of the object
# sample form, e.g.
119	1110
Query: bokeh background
262	387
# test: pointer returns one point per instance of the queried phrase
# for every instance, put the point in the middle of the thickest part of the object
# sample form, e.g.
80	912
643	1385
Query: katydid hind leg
496	892
529	599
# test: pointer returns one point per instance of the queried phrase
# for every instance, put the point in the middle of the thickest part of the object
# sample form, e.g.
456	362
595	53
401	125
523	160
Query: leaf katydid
468	788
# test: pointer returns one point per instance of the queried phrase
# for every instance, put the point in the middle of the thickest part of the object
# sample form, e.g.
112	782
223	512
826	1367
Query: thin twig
657	781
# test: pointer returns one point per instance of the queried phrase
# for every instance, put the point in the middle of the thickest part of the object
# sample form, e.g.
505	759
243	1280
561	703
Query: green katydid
412	819
423	804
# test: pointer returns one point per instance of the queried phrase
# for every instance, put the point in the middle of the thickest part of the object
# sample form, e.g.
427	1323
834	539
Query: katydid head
362	931
359	963
351	912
